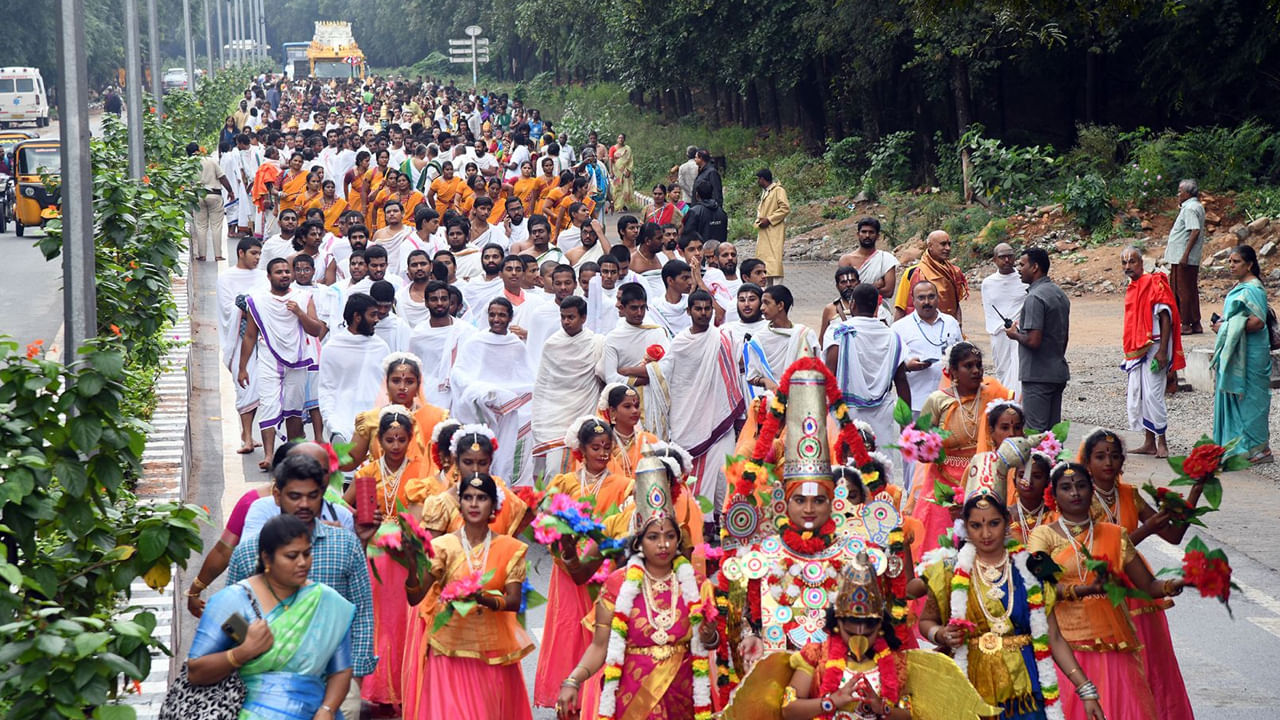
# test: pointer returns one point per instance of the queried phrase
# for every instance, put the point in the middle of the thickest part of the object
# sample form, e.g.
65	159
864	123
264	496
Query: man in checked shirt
337	557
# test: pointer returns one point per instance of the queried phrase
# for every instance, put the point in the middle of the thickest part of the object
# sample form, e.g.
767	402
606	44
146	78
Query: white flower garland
616	654
1039	623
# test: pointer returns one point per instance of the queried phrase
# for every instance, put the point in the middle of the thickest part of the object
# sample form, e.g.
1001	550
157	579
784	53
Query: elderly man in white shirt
927	334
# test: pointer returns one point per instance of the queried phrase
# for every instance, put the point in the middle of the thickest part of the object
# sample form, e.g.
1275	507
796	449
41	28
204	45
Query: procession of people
445	357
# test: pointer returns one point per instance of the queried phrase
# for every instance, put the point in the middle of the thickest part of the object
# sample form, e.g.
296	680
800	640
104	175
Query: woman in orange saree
1101	635
386	191
292	185
375	179
958	410
314	190
330	204
529	188
356	184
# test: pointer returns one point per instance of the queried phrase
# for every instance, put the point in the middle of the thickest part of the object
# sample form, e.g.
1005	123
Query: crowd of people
424	278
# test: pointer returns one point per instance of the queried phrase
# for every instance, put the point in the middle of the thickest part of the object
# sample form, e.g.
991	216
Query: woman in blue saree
1242	362
295	659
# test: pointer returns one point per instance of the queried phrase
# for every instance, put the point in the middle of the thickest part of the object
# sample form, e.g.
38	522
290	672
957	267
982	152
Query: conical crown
859	594
807	456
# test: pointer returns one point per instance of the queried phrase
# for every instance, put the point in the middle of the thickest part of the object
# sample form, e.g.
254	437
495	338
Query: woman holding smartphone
288	637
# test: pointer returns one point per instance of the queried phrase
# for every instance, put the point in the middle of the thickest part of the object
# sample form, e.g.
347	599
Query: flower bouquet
654	352
1118	588
1205	465
921	440
405	541
968	628
561	515
462	596
1206	570
1171	503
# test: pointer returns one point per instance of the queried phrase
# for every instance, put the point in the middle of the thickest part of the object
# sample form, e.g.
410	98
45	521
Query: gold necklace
1024	527
468	551
996	577
1077	547
1110	501
662	620
390	486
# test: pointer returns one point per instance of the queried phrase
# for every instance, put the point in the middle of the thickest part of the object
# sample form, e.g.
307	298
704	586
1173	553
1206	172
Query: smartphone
236	628
365	500
1215	317
929	361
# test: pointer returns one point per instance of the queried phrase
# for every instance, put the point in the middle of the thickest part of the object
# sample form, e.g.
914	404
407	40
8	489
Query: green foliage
1086	198
889	163
1259	202
847	160
1007	175
1223	158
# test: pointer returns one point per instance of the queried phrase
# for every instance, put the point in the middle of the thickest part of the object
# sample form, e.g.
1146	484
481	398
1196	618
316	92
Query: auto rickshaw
9	138
33	160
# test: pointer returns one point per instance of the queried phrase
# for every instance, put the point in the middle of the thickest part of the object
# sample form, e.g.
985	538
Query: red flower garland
886	663
807	542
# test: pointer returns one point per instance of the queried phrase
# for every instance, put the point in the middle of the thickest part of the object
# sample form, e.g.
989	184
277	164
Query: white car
175	79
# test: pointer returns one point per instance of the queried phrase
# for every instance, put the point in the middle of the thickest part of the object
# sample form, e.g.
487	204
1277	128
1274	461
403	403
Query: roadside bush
847	160
1222	158
1087	200
889	163
1097	150
1259	202
1008	175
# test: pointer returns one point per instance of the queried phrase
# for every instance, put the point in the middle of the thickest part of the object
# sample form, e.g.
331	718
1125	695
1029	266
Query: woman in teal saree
1242	362
295	659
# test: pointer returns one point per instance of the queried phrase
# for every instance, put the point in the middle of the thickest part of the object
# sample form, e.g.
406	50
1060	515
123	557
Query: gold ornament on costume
807	465
859	594
652	493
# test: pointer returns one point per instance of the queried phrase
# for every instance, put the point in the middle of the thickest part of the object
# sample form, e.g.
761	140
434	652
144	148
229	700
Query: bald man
1002	295
1152	348
936	267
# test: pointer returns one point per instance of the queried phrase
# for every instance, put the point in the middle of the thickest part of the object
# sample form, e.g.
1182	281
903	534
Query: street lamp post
79	297
133	88
222	58
189	45
153	31
208	40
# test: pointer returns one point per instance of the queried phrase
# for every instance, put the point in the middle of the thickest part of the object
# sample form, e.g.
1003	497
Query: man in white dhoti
629	359
392	328
670	309
282	322
398	239
280	245
492	384
1003	293
540	319
480	289
566	387
234	284
927	335
722	280
867	360
509	284
602	296
783	341
351	373
748	354
878	268
706	396
482	231
411	300
1152	348
436	341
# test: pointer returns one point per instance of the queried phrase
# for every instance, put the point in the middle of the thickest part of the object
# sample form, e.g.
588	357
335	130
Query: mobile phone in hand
1215	317
236	628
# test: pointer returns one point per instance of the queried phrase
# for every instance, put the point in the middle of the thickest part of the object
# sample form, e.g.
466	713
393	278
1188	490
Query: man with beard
747	353
435	342
281	323
516	227
281	244
539	245
567	384
723	281
878	268
467	259
706	396
648	259
338	246
592	247
1003	293
375	258
234	284
351	375
628	359
841	308
504	276
927	335
393	330
934	266
411	300
482	231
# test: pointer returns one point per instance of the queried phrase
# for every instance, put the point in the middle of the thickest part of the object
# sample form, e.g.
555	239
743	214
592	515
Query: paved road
30	287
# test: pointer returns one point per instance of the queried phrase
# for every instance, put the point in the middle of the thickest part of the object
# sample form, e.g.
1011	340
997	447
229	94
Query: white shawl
567	385
350	378
437	348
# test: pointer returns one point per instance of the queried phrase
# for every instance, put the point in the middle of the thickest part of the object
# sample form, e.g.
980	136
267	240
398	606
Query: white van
22	97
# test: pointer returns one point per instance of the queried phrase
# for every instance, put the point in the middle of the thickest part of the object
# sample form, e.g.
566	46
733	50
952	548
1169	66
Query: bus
296	64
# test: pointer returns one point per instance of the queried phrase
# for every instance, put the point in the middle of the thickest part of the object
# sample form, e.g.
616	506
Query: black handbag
220	701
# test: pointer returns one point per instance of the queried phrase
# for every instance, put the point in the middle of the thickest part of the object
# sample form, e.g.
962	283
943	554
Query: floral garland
630	590
837	662
960	583
807	542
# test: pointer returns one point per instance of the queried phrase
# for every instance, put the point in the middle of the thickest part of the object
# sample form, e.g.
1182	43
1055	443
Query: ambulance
22	97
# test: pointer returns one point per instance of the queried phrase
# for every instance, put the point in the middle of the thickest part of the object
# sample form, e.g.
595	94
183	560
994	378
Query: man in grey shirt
686	173
1041	333
1186	241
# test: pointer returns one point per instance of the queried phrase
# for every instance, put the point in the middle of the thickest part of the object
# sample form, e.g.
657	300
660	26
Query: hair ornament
473	430
401	358
575	427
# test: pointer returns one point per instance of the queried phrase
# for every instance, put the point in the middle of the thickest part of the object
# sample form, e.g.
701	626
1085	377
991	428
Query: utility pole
222	59
208	40
236	42
189	44
133	88
153	29
79	296
262	18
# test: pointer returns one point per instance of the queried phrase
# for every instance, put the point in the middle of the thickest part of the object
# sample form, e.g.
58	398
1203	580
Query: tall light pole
222	60
79	296
237	51
153	30
262	18
208	40
189	45
133	88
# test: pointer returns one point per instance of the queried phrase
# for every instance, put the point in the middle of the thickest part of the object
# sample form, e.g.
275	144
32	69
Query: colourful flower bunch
405	541
560	515
1171	503
654	352
462	596
1208	571
921	445
966	627
1205	465
1050	445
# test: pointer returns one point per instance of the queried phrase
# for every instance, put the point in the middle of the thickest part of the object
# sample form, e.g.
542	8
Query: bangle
933	634
198	584
570	682
231	658
327	708
1087	691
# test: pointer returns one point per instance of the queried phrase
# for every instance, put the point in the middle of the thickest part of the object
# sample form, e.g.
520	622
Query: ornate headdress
472	429
396	358
653	498
859	594
807	465
395	410
575	427
602	405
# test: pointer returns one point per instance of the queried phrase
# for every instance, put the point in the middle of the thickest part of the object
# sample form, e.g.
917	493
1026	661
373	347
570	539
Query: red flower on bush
654	352
1203	461
34	349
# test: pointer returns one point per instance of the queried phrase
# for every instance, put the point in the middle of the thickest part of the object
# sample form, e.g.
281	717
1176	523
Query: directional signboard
474	49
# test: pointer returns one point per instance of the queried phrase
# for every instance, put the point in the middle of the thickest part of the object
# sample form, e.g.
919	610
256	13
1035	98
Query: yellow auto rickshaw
33	161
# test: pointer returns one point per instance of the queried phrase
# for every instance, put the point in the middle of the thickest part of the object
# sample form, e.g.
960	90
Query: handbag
1273	329
219	701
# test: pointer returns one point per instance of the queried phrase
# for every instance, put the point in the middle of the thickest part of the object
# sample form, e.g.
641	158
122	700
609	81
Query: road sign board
473	30
479	42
